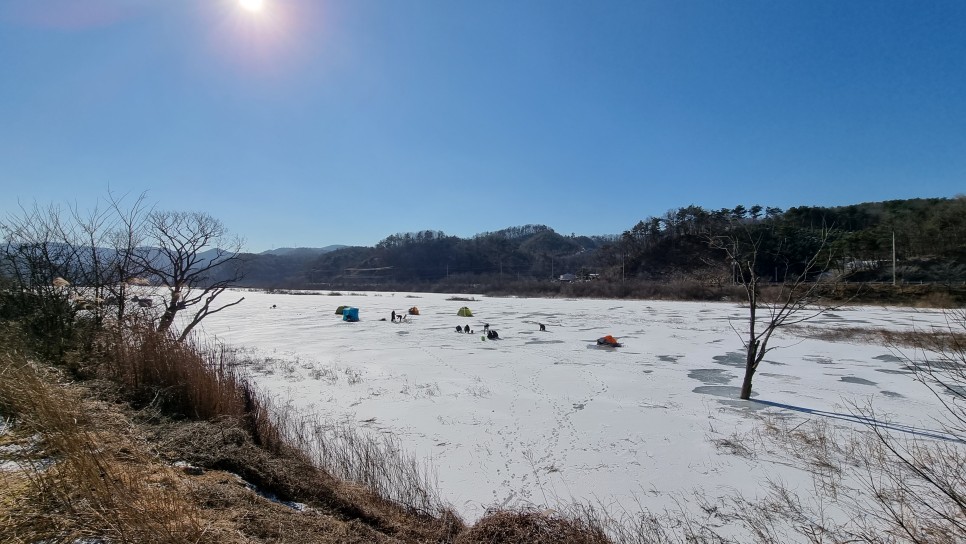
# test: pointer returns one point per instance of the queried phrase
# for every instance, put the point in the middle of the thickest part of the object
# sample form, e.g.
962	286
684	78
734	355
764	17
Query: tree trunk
167	318
750	368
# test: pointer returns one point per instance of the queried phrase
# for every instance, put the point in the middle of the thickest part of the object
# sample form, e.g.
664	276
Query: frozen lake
542	417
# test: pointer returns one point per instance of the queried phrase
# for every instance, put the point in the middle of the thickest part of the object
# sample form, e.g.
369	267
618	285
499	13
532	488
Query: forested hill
930	242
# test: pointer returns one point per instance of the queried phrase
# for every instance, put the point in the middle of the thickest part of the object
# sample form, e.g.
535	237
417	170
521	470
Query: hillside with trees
929	234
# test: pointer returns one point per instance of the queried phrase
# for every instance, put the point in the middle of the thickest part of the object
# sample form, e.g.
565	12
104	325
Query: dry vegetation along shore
133	436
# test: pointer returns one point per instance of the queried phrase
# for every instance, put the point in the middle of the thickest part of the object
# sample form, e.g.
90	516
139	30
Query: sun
252	5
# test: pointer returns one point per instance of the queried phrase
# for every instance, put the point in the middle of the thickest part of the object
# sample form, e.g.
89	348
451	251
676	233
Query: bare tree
794	297
125	241
47	257
64	266
34	265
195	259
87	234
882	481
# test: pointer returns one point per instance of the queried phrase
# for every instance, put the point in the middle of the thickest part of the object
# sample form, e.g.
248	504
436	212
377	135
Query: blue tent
350	314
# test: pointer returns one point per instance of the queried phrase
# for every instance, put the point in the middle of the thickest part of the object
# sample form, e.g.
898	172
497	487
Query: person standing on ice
394	316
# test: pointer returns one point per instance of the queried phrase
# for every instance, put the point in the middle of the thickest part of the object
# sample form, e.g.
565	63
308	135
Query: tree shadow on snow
864	420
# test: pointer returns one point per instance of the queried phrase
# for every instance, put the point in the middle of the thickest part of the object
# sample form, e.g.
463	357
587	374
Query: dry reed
77	477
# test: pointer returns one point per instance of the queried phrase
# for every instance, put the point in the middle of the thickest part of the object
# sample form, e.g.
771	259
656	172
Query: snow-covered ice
544	417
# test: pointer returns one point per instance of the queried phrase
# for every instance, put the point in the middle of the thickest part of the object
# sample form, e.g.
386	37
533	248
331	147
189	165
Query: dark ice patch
727	391
735	358
888	357
711	376
853	379
892	394
820	360
744	405
779	376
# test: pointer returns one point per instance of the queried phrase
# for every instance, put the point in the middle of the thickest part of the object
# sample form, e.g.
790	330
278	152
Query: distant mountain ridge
302	251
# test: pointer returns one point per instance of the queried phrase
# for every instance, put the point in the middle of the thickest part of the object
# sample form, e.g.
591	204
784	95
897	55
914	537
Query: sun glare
252	5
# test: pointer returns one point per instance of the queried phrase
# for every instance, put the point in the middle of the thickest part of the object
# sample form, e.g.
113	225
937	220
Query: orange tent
608	341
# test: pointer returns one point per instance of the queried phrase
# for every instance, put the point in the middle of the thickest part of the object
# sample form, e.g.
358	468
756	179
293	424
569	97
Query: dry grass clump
532	527
874	486
375	462
291	476
77	474
187	380
936	340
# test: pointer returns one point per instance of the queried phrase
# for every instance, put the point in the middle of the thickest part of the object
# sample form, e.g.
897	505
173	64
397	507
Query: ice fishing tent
464	312
340	309
608	341
414	311
350	314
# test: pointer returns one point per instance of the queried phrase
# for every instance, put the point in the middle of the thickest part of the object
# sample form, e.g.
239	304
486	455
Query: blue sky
314	122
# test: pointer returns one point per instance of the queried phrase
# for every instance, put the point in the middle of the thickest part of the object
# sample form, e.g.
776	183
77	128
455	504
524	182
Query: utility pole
893	257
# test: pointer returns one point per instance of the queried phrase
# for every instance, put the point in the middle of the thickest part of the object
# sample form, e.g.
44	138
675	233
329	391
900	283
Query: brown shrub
922	339
532	527
185	379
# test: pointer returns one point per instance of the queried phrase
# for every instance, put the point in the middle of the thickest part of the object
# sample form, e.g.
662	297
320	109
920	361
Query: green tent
464	312
338	311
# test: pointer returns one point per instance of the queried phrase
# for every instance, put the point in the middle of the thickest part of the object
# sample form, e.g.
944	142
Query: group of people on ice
490	334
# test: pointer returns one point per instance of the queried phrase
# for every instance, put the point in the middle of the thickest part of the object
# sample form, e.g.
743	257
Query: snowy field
537	418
